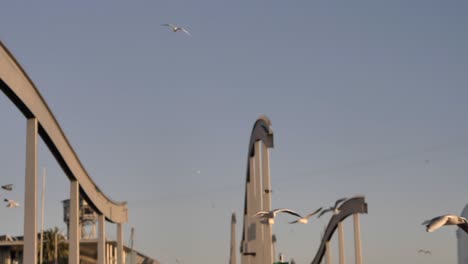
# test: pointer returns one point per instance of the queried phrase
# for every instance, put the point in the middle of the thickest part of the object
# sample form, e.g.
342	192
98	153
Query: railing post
328	253
119	244
101	253
30	194
74	239
357	239
341	242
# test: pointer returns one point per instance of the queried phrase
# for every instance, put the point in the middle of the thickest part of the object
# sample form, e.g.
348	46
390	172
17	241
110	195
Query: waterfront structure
257	238
462	241
11	252
40	121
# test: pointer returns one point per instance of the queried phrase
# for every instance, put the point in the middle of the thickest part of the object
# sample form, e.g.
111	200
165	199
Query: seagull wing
339	201
284	210
260	214
324	211
436	223
311	214
167	25
185	31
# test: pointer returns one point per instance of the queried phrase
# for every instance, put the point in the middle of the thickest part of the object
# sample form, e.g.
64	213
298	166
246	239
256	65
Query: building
11	252
462	239
11	248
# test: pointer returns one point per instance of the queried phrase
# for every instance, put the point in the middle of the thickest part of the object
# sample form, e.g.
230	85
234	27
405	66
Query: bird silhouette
270	215
7	187
334	208
305	219
11	203
424	251
443	220
176	28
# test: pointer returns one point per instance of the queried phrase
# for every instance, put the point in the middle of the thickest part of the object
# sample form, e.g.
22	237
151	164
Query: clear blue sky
365	97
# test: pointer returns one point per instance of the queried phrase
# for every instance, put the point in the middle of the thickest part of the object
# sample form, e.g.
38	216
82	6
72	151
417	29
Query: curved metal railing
16	84
355	205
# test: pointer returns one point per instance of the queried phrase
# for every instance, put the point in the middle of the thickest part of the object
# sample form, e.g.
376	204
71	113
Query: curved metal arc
16	84
261	131
355	205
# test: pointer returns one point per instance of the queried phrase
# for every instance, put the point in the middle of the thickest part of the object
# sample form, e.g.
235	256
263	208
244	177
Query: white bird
448	219
7	187
305	219
270	215
176	28
11	203
334	208
424	251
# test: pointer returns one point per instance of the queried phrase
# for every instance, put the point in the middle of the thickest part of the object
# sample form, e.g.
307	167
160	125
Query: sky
365	97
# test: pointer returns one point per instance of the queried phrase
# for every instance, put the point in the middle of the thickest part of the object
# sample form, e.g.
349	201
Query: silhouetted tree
51	236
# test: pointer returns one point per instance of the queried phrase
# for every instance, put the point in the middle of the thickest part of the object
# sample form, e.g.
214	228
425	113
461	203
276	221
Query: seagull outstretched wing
325	211
288	211
312	214
339	201
185	31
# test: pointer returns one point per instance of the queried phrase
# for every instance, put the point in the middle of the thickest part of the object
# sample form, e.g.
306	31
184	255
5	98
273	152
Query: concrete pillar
328	259
30	194
108	253
114	254
258	190
119	244
266	200
341	242
74	239
101	241
251	222
357	239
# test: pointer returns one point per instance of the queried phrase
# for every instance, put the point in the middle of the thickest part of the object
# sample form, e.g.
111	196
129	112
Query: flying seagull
176	28
270	215
334	208
448	219
7	187
11	203
424	251
305	219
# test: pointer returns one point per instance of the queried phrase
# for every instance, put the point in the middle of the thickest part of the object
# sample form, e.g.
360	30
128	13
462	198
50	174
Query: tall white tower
462	238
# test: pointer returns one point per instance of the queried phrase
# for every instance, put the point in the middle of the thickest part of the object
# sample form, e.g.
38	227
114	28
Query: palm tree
51	236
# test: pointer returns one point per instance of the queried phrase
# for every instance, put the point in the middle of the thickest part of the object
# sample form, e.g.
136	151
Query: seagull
176	28
305	219
7	187
270	215
448	219
424	251
11	203
333	209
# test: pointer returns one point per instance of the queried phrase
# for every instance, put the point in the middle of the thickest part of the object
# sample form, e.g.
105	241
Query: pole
357	239
132	254
328	253
42	215
341	242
